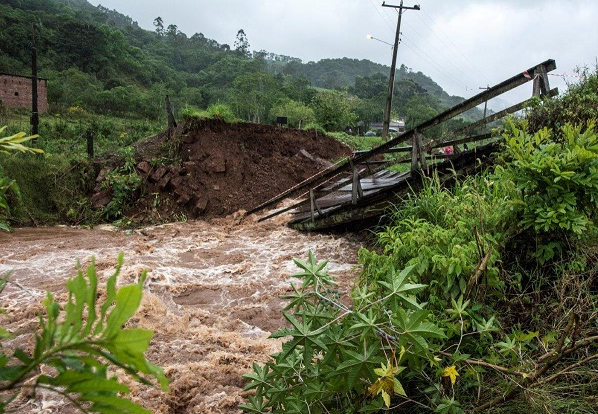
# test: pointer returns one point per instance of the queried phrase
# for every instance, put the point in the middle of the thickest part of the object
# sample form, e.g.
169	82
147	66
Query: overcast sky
463	45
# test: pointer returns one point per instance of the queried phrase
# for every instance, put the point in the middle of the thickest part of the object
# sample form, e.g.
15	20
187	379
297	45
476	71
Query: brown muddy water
212	297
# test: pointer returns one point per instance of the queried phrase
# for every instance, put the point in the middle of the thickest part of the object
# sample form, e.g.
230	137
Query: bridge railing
364	163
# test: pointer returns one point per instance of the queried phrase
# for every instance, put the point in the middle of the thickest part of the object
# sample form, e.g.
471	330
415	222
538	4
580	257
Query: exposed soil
221	168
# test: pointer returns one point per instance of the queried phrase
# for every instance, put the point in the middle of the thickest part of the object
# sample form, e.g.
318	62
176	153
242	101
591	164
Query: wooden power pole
34	109
393	67
171	121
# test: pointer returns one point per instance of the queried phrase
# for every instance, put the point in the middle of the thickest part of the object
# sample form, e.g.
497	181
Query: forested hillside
473	295
102	61
340	73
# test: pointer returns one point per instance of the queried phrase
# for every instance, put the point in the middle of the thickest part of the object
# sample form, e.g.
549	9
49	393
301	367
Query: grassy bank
56	186
482	297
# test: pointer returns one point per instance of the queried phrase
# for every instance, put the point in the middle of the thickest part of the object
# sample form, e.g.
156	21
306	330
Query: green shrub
54	188
555	183
190	111
221	111
578	106
124	182
9	187
80	341
445	233
346	359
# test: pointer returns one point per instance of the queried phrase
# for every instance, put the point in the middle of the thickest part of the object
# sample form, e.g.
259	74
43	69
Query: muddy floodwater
212	297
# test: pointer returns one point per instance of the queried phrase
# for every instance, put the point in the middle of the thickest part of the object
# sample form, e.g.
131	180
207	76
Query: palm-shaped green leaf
413	329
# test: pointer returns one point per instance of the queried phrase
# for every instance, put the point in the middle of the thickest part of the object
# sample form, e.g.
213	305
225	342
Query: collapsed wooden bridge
357	191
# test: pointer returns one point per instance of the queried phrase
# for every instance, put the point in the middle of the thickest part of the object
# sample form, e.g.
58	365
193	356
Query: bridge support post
418	155
313	204
541	84
421	151
356	190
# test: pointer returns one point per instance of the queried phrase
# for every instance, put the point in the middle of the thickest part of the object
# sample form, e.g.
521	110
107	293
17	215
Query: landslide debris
208	168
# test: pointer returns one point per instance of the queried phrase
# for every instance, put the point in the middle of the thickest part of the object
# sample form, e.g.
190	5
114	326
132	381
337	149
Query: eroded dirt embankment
212	297
209	168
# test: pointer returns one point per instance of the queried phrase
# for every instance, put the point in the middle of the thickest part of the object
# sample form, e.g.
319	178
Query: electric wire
466	62
467	65
481	72
387	21
441	71
386	17
434	63
463	68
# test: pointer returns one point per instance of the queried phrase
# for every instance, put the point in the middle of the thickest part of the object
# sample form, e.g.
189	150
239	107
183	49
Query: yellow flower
452	373
435	361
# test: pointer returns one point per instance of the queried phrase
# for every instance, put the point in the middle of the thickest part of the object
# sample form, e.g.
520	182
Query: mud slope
214	169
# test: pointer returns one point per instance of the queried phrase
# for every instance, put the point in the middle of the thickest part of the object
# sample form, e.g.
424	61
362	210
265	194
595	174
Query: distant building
397	126
15	92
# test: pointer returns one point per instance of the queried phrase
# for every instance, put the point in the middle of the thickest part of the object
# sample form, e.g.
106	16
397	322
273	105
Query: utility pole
34	109
393	67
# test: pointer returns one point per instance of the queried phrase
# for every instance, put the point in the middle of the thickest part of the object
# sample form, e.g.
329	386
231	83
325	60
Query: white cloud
462	45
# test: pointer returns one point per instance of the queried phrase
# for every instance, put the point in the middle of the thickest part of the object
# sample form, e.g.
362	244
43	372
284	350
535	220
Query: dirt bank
209	168
212	297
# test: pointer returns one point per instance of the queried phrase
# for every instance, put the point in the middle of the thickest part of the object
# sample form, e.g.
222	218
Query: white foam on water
236	272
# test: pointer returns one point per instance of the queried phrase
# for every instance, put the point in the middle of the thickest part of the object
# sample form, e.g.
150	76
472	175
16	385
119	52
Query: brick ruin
16	92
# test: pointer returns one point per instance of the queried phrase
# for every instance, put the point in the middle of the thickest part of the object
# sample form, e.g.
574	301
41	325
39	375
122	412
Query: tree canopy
103	61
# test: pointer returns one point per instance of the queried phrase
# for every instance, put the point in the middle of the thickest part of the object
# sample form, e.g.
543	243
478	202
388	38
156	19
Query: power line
433	61
393	66
466	66
458	50
461	84
443	72
463	68
391	16
381	15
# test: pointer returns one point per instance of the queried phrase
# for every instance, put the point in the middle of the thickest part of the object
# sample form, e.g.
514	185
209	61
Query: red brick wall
15	92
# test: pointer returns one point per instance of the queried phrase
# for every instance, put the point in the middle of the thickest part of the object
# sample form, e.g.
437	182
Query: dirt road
212	297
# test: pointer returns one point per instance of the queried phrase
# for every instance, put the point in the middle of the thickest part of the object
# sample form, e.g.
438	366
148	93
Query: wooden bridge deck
357	191
337	209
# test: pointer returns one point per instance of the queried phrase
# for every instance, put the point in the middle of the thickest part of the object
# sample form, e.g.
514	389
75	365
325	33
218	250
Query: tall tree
82	45
297	113
253	95
242	44
159	25
368	87
172	31
334	110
